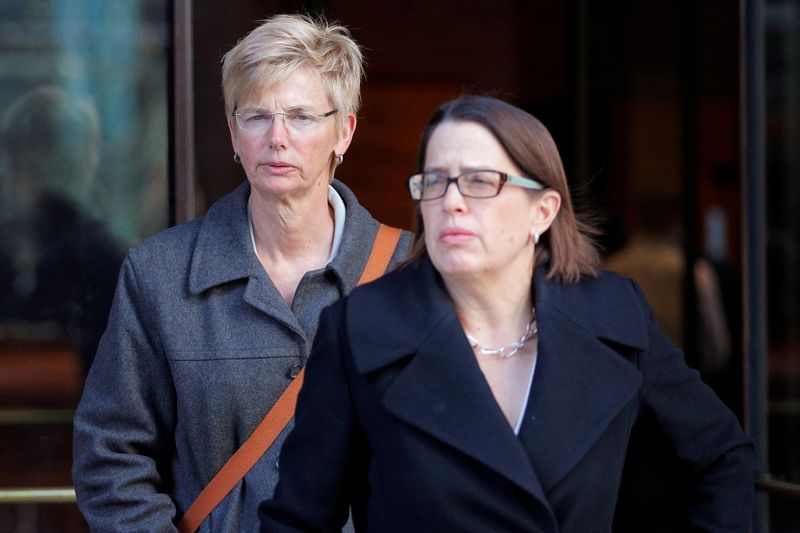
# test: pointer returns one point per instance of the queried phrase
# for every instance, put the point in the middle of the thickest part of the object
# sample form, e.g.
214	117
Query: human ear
346	135
233	131
544	211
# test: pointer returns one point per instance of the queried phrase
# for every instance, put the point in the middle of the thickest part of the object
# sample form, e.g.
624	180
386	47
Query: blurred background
678	122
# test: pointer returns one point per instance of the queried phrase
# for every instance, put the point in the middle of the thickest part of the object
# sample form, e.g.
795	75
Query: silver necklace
507	350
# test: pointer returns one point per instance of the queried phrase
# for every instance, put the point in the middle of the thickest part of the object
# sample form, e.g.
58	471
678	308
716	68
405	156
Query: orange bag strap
281	413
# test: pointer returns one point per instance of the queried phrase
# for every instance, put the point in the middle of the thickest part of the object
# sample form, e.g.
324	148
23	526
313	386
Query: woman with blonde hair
213	319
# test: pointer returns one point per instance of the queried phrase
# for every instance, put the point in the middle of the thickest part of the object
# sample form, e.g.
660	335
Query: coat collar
602	308
419	303
224	253
358	237
441	391
580	384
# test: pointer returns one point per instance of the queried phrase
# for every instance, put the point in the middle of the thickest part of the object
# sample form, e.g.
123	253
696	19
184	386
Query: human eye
432	180
301	118
481	182
254	117
482	177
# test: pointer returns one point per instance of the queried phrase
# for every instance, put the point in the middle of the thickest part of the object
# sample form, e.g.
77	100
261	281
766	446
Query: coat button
294	371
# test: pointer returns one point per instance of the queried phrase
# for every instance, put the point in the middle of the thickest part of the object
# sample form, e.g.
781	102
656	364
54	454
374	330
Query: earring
236	158
535	237
339	159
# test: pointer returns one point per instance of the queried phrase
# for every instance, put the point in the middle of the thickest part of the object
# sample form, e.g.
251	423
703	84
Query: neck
287	229
493	314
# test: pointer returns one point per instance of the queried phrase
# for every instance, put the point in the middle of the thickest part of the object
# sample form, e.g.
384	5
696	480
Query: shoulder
360	229
173	249
390	290
606	291
172	245
384	303
372	320
605	282
391	316
357	214
611	306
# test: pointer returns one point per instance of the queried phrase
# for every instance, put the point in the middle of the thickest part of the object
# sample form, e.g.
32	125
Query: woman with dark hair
493	382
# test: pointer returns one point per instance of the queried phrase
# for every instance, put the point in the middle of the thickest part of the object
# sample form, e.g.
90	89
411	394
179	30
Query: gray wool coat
198	347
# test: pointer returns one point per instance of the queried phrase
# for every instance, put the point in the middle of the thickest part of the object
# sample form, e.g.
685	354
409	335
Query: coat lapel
581	382
224	253
441	391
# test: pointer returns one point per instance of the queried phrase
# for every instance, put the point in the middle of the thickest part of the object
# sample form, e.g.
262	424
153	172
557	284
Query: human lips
455	235
278	167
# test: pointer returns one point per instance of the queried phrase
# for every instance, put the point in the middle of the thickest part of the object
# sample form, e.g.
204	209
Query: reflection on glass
782	29
83	176
60	259
654	257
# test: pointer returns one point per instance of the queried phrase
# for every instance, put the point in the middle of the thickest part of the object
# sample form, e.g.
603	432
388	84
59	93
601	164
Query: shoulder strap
382	250
282	411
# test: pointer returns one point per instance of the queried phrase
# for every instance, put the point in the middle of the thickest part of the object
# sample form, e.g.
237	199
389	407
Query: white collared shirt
518	426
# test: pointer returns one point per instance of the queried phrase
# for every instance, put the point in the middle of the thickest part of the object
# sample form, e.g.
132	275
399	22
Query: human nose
273	121
452	198
276	133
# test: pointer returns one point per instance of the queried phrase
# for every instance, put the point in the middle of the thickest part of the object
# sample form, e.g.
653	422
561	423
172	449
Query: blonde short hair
281	45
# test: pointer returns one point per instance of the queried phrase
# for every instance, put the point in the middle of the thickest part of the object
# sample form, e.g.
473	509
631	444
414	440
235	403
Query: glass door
771	121
84	175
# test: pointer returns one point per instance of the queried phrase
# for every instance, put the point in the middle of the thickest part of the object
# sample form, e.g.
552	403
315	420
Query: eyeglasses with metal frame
471	184
259	121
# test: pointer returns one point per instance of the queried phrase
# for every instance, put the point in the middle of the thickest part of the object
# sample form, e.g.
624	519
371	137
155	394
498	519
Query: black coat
396	419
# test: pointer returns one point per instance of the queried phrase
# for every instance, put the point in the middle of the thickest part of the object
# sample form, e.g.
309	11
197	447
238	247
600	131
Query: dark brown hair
567	249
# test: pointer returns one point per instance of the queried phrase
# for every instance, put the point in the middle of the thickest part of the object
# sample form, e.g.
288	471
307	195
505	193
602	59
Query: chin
454	266
275	184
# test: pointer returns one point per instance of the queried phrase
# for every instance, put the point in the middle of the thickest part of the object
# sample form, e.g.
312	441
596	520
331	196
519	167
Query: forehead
302	88
466	145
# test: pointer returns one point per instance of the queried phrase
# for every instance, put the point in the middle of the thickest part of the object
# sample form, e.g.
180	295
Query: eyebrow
292	109
442	170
